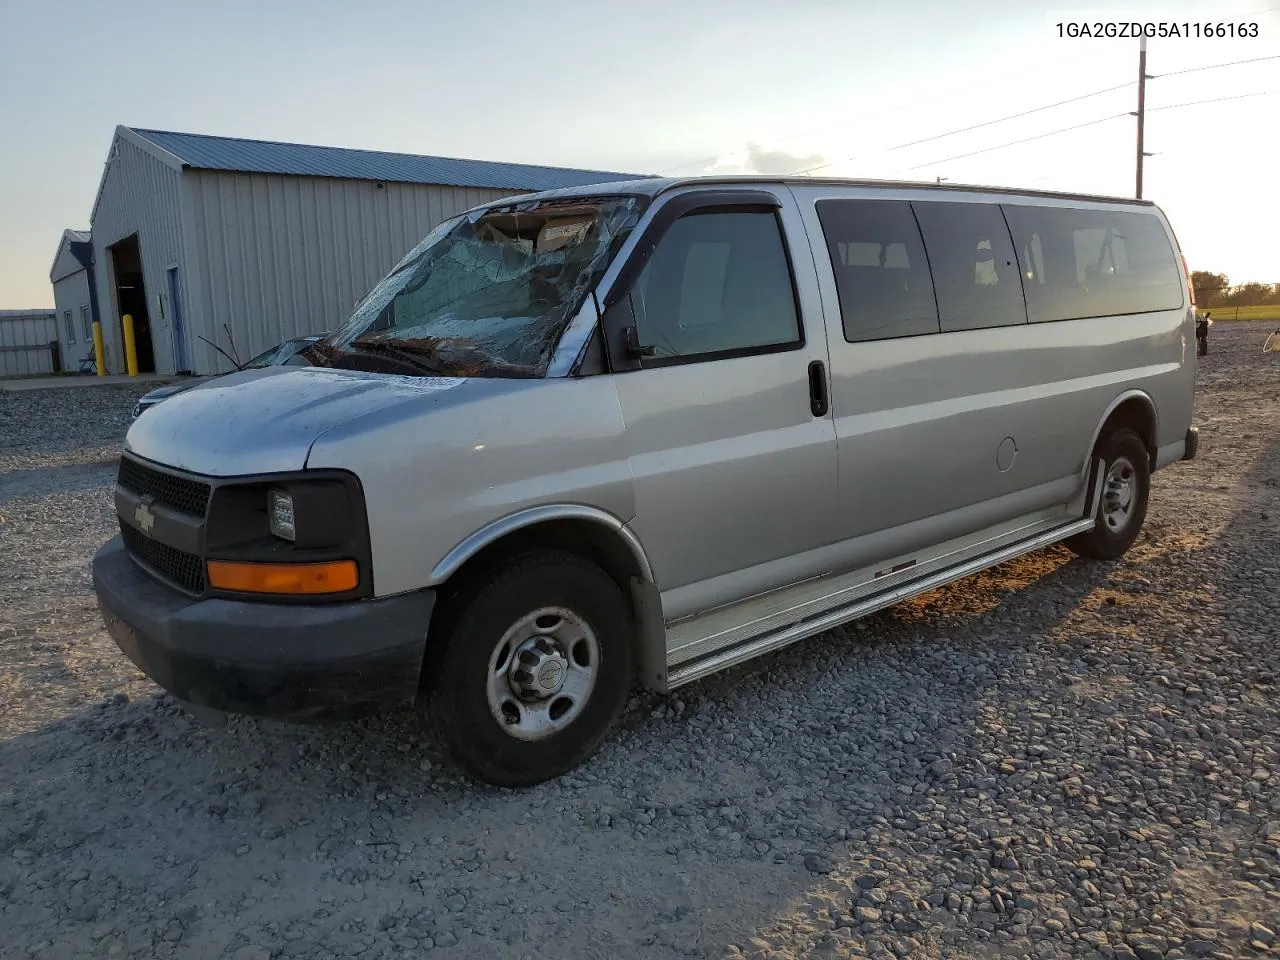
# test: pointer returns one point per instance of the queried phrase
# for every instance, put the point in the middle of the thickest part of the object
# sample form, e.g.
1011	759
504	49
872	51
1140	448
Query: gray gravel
1053	759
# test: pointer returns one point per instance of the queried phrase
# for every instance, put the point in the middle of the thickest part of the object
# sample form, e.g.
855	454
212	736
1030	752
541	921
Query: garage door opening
131	298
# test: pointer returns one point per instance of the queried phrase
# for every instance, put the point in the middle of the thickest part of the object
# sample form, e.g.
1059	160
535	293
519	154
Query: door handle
818	402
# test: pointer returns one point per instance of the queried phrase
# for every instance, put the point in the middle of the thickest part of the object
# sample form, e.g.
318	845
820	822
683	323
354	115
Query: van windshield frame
488	293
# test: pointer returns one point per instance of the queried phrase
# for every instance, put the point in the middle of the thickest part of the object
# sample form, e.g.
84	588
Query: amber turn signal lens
294	579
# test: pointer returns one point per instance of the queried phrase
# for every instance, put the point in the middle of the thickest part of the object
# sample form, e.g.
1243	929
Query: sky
688	87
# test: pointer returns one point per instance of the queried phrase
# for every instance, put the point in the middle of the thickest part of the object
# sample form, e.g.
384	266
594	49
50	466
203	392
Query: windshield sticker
427	383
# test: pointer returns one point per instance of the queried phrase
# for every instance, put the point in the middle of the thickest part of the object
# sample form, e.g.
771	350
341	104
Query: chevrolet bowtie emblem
143	518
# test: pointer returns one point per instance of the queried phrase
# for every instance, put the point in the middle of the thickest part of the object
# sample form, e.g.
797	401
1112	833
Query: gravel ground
1054	759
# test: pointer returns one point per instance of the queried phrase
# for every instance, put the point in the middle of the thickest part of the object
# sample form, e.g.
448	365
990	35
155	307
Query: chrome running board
782	636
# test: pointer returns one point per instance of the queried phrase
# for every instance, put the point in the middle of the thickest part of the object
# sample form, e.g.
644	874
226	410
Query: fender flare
1112	407
497	529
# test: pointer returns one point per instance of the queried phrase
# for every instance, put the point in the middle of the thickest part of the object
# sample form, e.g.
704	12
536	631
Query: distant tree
1210	287
1249	295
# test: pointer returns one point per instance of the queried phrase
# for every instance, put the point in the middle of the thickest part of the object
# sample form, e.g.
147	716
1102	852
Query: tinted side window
717	282
975	272
882	275
1094	263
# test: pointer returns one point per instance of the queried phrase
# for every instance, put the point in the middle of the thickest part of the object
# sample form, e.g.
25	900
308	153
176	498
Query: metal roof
24	314
78	244
265	156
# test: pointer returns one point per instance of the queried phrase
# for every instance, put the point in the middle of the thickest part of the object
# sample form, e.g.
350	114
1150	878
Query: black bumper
1192	443
314	662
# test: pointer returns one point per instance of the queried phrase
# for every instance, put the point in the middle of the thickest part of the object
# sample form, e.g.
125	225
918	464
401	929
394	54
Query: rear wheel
1126	487
535	670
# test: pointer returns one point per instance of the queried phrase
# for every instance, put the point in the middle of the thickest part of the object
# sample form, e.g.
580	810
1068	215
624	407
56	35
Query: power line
792	136
1014	143
1216	66
1090	123
1033	110
988	123
1012	116
928	98
976	126
1196	103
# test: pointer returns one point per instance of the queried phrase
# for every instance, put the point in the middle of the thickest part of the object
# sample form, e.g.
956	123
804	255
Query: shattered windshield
487	294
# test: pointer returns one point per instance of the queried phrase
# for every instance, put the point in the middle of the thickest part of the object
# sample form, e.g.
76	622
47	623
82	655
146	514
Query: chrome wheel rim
542	672
1119	494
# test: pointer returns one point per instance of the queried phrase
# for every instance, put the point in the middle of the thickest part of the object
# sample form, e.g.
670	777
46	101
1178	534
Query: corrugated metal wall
139	194
280	256
24	341
71	295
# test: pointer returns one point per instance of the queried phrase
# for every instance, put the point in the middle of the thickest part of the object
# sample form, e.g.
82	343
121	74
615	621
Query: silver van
643	432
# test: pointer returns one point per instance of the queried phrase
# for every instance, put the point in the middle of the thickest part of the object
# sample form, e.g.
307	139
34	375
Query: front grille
184	569
178	493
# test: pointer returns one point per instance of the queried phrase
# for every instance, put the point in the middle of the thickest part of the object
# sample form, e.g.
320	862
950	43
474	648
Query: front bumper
313	662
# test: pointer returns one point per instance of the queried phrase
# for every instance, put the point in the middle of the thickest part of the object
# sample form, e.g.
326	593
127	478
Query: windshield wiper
427	363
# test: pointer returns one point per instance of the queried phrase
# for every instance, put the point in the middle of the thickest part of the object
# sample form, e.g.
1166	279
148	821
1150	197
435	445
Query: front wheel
1126	486
534	671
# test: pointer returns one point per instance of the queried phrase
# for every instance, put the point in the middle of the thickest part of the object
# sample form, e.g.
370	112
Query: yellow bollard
99	351
130	348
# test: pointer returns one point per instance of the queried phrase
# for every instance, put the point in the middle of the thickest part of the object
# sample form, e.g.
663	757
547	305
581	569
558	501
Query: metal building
252	242
74	296
25	339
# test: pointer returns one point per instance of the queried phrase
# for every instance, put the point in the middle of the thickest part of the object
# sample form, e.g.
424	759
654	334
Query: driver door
720	371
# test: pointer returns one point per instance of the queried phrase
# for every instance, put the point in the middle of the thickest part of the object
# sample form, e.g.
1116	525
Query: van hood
163	393
265	421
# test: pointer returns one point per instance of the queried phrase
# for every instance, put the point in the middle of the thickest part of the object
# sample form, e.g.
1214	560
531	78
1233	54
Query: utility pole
1142	108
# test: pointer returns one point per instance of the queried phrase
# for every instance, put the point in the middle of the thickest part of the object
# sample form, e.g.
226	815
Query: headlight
298	536
280	514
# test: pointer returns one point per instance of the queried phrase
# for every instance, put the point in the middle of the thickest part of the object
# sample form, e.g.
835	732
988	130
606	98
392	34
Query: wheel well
584	538
1135	414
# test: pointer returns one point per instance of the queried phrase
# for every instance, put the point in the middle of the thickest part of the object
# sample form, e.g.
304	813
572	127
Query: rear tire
534	671
1126	472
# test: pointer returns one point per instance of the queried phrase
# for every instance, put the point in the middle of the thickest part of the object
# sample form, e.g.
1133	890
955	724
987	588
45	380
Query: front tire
535	669
1126	473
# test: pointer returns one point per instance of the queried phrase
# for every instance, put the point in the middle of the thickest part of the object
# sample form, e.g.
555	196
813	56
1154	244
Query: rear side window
717	283
882	274
975	272
1093	263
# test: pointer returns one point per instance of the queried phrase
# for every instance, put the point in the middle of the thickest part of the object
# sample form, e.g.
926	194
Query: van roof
654	186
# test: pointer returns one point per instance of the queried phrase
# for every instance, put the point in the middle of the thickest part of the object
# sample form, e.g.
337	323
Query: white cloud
755	158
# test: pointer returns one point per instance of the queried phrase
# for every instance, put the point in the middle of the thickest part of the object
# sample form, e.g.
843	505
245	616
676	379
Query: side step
788	634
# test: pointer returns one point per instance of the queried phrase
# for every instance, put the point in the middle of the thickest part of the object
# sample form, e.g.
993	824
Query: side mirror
622	339
636	349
